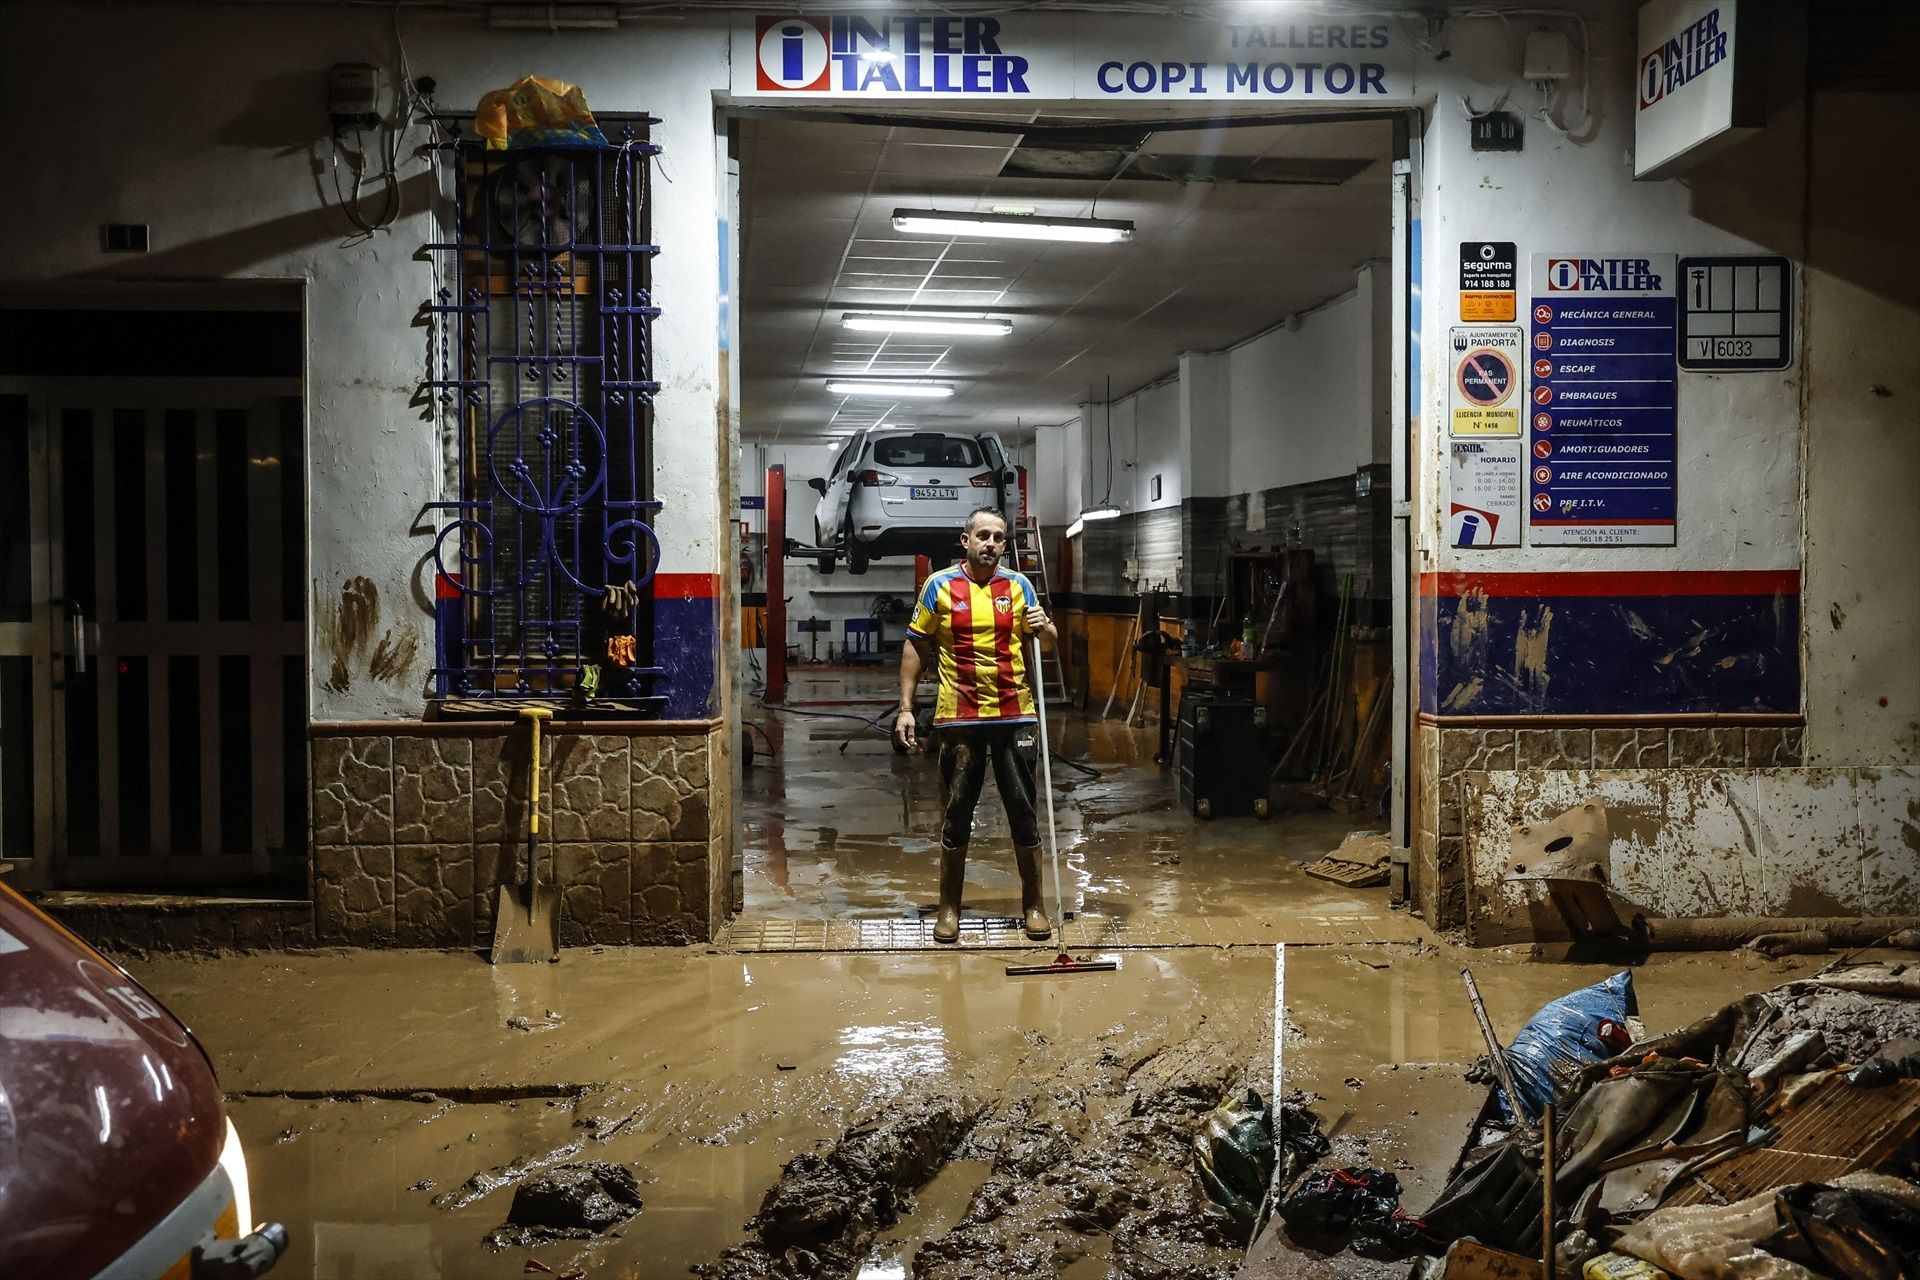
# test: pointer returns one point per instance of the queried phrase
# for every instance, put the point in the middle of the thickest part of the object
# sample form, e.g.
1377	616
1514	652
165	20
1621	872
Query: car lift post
776	545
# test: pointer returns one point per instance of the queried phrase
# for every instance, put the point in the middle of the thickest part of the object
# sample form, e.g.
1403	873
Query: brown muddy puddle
839	828
672	1063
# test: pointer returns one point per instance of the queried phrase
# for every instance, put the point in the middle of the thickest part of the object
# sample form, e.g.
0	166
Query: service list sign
1602	409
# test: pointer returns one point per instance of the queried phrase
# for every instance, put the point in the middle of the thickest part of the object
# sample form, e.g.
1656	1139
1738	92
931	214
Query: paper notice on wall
1486	397
1487	501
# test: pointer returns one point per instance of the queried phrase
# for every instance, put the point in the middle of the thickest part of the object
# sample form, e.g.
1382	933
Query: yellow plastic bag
537	112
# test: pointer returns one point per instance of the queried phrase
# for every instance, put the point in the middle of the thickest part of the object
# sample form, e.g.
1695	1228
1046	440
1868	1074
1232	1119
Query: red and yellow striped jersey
978	632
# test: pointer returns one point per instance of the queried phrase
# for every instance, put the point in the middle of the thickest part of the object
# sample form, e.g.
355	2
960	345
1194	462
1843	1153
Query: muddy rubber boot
953	874
1031	904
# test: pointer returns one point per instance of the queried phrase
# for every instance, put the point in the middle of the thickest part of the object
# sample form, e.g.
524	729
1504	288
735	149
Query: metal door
152	631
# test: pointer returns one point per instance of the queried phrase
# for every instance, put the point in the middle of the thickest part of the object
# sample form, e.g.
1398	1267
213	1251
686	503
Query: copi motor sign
1069	57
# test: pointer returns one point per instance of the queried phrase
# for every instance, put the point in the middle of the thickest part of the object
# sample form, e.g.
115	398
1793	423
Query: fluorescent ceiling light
923	388
1011	226
1105	511
961	322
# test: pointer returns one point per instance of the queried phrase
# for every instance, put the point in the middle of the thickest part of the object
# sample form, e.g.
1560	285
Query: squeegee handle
1038	689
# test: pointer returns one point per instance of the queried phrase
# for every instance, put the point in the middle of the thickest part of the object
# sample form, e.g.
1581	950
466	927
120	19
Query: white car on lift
895	491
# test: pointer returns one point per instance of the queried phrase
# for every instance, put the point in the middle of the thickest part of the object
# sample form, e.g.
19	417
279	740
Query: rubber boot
1031	905
953	874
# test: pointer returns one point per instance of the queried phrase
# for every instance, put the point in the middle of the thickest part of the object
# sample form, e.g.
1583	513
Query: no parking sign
1488	371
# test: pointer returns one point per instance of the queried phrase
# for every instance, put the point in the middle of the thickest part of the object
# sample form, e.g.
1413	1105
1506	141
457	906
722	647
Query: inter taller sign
1698	81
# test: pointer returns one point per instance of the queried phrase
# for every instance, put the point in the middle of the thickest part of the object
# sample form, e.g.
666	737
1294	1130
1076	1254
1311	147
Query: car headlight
233	1162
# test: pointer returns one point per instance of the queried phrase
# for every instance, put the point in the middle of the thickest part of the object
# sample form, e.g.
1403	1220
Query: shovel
526	920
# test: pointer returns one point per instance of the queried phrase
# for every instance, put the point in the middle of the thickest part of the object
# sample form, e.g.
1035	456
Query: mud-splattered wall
217	145
1636	661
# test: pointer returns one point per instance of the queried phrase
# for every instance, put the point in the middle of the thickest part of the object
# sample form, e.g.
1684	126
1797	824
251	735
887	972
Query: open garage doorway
1192	427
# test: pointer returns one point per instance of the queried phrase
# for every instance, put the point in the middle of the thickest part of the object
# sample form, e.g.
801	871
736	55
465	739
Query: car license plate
942	491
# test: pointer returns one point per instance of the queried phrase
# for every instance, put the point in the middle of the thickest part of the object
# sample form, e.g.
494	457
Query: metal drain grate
1084	933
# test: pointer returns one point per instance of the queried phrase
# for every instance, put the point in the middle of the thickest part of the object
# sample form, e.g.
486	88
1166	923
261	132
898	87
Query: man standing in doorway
974	619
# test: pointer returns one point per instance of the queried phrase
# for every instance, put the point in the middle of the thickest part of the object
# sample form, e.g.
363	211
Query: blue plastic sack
1564	1037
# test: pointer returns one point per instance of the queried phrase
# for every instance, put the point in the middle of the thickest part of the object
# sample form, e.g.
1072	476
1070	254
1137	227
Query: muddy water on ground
670	1062
839	827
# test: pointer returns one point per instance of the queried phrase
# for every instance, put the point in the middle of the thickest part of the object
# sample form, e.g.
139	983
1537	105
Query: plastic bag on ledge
537	112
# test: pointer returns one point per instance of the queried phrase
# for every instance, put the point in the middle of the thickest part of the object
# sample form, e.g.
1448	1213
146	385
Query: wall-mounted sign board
914	56
1489	281
1700	80
1603	409
1486	496
1486	396
1736	313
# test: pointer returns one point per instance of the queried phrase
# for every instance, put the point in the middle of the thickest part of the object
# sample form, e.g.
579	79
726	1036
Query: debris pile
1773	1138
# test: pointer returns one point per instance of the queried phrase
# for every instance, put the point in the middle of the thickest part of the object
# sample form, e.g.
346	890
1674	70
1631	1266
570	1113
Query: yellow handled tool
526	921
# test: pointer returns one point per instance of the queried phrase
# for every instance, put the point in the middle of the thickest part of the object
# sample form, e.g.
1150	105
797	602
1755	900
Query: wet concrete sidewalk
369	1085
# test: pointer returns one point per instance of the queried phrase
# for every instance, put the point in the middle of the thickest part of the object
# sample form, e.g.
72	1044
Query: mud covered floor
417	1114
840	829
391	1101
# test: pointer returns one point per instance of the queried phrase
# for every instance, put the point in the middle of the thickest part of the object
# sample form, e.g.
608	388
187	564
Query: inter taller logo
792	54
1602	275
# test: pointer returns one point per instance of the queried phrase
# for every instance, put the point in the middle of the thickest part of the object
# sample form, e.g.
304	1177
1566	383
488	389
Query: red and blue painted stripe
1610	642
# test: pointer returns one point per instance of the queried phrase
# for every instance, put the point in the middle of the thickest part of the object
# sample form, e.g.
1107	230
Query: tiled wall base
415	830
1449	753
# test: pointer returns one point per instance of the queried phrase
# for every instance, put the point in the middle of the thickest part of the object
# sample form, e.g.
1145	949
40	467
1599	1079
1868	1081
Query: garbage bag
1866	1229
1580	1027
1363	1204
536	112
1235	1153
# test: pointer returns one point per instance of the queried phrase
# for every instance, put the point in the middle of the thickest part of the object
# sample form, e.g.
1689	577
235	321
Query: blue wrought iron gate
543	373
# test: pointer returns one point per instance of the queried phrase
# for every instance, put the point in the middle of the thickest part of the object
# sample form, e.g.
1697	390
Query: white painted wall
1862	577
1300	401
1286	406
208	122
1738	434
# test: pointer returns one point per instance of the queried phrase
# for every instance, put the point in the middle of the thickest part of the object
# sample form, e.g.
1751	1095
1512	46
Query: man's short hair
977	512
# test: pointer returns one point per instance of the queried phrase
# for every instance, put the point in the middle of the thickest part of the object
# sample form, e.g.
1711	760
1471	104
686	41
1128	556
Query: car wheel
856	552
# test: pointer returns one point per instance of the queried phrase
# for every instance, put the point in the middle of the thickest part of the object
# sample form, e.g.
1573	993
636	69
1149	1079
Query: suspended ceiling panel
1236	228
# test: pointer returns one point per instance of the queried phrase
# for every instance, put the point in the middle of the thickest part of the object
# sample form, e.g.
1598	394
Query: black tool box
1220	758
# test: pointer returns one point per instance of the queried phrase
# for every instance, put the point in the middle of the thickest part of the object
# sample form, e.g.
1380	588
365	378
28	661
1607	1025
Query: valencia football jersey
978	632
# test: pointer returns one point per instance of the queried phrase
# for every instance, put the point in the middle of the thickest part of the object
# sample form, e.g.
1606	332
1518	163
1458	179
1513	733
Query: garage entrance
1197	402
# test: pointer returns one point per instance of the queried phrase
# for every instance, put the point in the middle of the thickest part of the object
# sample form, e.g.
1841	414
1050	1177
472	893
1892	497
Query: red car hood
109	1112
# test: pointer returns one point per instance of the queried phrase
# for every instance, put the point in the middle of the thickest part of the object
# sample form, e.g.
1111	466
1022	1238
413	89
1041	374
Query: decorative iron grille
542	370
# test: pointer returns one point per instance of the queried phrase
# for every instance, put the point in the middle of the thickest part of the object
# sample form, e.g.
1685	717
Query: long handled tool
526	920
1062	963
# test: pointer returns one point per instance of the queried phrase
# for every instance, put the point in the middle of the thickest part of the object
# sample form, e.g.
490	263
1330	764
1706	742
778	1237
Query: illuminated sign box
1698	81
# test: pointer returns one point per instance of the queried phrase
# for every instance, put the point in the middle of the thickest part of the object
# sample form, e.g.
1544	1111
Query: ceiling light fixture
957	323
921	388
1011	226
1105	511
